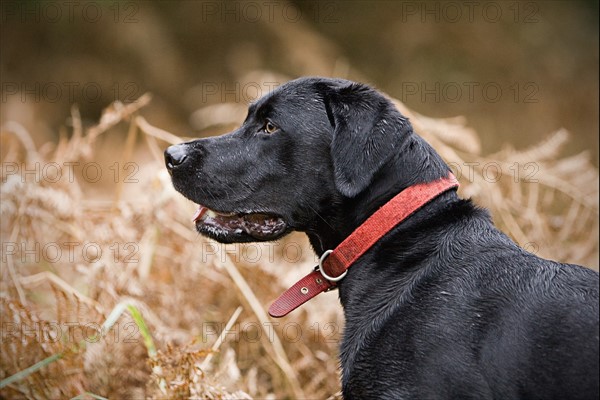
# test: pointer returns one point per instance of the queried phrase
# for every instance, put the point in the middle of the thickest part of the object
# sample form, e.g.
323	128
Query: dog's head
302	153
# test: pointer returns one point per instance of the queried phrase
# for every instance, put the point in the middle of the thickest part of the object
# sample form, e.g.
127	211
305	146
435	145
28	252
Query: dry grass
202	331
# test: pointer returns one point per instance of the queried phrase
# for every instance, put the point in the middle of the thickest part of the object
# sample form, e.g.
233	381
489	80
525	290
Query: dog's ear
366	133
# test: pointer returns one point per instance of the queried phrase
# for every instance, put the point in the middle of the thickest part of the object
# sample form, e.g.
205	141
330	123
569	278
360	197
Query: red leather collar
334	265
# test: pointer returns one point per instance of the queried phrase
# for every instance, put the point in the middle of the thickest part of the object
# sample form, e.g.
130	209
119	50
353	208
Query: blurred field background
106	290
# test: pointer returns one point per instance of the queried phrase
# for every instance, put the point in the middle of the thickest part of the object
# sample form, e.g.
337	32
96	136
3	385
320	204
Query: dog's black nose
175	155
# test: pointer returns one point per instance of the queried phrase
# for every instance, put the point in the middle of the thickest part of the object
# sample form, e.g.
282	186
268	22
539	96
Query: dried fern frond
28	339
181	282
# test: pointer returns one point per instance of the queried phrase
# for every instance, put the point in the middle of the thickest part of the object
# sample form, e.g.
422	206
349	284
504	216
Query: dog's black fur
445	306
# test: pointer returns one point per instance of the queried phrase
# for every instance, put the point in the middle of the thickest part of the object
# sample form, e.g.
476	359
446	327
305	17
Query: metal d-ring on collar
322	271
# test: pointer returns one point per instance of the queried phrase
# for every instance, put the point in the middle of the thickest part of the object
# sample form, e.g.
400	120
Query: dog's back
477	318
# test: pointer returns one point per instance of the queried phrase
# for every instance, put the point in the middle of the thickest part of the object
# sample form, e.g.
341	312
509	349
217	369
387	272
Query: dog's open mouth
259	226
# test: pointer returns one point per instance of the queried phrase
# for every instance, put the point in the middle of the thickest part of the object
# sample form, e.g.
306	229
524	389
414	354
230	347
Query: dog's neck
334	264
406	170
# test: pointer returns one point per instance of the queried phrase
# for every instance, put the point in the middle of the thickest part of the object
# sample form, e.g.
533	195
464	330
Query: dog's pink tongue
199	213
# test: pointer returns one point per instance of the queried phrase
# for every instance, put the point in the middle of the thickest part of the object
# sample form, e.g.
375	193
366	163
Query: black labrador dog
444	306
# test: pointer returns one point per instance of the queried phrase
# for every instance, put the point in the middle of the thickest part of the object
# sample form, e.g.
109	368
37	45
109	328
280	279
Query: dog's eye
270	127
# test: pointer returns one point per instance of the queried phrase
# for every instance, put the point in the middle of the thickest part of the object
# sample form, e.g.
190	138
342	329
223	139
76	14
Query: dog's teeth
202	213
199	213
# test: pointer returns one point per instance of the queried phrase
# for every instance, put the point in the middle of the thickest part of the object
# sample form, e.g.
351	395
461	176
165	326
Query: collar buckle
332	285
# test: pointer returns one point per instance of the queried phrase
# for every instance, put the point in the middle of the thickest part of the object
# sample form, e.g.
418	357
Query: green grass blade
144	331
114	315
30	370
